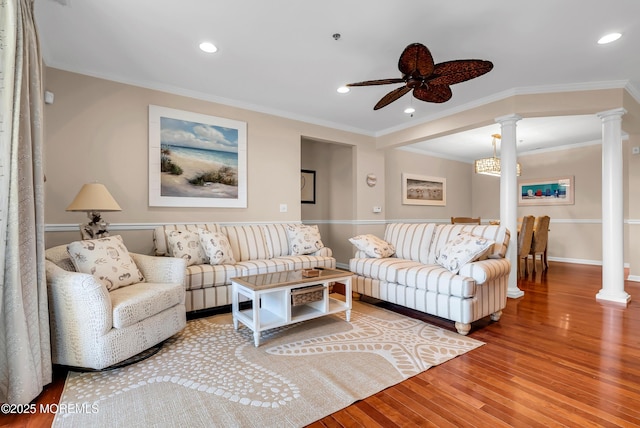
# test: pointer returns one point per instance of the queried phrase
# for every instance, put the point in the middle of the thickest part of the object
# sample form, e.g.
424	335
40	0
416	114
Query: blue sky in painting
183	133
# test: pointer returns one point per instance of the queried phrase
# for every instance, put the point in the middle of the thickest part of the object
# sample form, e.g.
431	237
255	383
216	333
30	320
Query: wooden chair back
465	220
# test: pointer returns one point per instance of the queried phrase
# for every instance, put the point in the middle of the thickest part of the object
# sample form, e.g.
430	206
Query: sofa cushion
411	241
185	244
445	232
216	247
254	267
435	278
247	242
207	276
107	259
303	239
308	261
160	234
462	249
383	269
140	301
373	246
277	239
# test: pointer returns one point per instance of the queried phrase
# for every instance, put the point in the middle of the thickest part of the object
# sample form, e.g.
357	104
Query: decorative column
509	195
612	209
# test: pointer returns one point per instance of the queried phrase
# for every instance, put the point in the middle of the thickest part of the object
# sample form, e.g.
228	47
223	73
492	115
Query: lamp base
96	228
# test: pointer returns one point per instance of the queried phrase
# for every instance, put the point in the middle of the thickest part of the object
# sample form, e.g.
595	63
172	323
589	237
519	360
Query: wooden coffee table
272	307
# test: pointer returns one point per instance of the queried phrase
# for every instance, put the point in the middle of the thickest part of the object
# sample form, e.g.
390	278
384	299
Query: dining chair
465	220
540	242
525	237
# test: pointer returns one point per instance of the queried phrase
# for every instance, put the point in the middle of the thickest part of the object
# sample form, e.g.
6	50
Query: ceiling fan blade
416	60
391	97
433	93
376	82
461	70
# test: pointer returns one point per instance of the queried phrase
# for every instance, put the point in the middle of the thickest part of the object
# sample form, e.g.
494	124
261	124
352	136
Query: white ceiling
279	56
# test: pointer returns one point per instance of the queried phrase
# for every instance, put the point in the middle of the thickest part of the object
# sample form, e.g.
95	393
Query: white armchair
94	328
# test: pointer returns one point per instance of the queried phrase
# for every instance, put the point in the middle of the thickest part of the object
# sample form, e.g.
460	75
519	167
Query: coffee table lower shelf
272	306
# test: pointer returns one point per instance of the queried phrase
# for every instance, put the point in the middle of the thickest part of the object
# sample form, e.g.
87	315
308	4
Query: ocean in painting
225	158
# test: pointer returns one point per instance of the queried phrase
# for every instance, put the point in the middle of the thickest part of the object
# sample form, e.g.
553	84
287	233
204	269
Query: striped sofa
412	278
257	248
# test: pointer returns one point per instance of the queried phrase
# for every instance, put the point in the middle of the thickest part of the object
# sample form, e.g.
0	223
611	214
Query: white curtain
25	356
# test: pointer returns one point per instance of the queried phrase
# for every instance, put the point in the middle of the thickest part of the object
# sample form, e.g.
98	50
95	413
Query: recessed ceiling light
343	89
608	38
208	47
409	110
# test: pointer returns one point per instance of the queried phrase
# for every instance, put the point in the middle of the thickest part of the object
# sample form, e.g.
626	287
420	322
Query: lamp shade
94	197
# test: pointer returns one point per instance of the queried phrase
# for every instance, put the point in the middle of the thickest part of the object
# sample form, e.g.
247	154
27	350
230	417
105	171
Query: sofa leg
463	328
355	295
496	316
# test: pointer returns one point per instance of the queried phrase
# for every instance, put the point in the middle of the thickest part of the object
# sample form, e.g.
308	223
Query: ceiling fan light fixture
343	89
409	110
491	165
608	38
208	47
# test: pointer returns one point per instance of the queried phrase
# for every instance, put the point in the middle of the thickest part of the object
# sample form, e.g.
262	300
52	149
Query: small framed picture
307	186
546	191
423	190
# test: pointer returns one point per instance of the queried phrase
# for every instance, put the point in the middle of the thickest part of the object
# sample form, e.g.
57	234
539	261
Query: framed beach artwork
546	191
423	190
196	160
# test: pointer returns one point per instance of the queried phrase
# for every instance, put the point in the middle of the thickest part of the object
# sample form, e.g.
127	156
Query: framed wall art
196	160
307	186
423	190
546	191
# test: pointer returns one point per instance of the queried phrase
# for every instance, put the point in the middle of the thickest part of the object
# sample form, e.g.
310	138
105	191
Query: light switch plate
283	208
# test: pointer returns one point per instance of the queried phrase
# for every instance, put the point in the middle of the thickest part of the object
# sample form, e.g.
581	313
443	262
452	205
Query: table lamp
94	198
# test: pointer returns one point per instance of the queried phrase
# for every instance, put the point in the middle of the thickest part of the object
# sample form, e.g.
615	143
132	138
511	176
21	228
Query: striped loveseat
413	278
256	248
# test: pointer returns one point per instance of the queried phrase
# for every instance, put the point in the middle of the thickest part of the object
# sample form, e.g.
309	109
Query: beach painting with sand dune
200	160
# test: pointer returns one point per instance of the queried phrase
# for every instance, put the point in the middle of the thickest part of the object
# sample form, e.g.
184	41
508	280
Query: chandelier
491	166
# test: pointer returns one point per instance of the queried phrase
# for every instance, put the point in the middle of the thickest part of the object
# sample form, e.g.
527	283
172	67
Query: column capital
508	118
614	112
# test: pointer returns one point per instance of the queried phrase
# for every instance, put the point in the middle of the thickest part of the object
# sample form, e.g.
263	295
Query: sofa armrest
161	269
77	299
486	270
323	252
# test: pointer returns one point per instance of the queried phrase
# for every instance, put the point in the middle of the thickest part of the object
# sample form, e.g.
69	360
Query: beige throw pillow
462	249
186	244
216	247
107	259
303	239
373	246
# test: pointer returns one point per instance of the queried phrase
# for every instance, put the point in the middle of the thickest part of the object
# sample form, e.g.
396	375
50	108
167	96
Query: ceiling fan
430	82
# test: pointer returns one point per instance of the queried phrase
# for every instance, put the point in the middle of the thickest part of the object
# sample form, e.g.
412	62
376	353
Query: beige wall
458	189
97	130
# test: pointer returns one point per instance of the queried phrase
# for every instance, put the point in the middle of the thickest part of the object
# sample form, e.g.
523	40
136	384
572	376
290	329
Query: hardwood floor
556	358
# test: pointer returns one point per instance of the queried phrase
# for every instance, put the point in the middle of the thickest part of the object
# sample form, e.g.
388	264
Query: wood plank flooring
556	358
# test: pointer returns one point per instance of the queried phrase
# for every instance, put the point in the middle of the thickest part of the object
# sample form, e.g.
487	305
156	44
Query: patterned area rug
211	375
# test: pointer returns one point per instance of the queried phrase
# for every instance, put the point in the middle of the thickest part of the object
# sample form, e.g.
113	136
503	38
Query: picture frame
546	191
307	186
423	190
196	160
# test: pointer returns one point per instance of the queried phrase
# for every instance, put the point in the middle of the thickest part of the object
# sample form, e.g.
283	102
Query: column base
514	293
622	298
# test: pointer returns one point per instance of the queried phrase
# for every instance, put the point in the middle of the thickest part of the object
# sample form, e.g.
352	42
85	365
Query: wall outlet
635	150
283	208
377	209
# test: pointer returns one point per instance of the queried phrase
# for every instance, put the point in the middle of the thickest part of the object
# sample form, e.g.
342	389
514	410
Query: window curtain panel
25	356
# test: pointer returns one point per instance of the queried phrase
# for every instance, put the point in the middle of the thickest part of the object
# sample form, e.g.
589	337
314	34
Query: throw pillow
462	249
186	244
216	247
107	259
303	239
373	246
